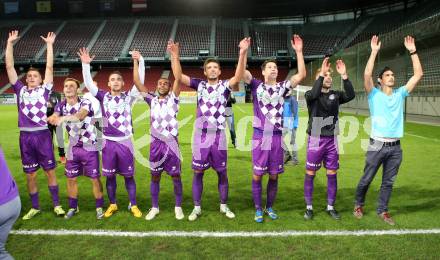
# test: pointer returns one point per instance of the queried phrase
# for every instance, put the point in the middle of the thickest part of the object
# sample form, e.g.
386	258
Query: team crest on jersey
332	97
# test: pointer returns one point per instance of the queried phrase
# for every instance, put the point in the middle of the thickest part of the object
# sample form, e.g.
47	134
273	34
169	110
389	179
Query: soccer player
83	155
290	125
118	151
164	146
209	143
35	138
54	98
322	145
386	108
267	150
10	204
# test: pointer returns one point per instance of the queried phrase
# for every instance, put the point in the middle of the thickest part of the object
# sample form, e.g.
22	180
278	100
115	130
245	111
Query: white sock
329	207
198	208
310	207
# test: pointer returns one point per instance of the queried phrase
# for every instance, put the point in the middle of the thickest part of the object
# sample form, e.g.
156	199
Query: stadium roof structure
267	8
216	8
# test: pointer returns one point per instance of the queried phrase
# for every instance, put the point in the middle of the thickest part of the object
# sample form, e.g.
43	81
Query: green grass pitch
414	204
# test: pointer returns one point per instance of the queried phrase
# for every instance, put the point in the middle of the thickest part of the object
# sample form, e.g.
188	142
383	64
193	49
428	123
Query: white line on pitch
423	137
291	233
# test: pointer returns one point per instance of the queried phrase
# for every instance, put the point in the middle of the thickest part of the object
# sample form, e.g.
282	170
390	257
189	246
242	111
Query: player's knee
176	178
155	178
31	176
256	177
198	172
309	172
331	172
50	174
96	182
273	177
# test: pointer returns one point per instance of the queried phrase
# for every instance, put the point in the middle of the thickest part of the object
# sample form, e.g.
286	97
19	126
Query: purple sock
332	187
223	186
111	189
197	188
256	193
34	200
178	191
272	189
154	190
73	203
130	185
54	193
99	203
308	188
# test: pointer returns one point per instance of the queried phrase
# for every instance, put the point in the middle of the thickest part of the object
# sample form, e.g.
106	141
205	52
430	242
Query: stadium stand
228	35
112	39
194	35
152	36
75	34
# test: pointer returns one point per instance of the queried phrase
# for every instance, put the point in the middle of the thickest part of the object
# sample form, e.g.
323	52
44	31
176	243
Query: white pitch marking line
291	233
423	137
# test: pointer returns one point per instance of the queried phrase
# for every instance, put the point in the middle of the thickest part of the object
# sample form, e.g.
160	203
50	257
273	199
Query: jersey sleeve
17	86
194	83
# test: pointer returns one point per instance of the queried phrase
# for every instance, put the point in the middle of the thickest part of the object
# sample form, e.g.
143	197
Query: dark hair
263	66
209	60
381	72
385	69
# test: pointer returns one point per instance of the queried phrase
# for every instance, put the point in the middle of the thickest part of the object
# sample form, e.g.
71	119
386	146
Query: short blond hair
78	84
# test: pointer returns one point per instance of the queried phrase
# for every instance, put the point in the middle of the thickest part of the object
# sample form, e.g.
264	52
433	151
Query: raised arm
84	55
176	87
136	75
241	66
9	57
410	45
317	86
297	45
368	73
173	48
348	93
247	77
49	39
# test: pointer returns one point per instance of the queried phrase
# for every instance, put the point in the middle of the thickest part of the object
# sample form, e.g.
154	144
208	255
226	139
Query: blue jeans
390	157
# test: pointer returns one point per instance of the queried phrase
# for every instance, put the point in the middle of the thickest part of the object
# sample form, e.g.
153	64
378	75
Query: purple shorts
165	156
267	154
36	150
323	148
118	157
80	161
209	150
